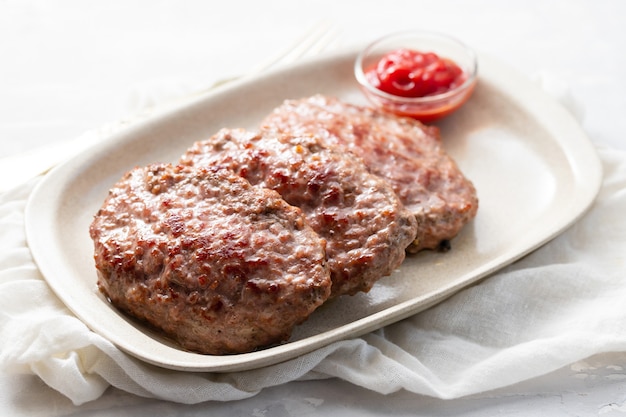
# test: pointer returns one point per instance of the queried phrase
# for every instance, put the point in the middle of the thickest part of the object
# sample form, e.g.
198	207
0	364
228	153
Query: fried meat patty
217	264
365	225
406	153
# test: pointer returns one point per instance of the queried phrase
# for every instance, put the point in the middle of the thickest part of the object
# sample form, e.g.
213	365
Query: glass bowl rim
471	79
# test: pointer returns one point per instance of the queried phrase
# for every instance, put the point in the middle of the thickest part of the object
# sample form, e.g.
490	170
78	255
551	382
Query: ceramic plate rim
579	150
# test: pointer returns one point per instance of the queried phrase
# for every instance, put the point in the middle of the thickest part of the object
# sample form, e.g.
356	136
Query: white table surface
70	66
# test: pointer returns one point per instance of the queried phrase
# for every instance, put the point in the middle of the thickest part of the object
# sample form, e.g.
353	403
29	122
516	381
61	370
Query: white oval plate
535	171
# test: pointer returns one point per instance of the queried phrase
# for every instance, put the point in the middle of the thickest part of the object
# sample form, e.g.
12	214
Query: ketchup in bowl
408	75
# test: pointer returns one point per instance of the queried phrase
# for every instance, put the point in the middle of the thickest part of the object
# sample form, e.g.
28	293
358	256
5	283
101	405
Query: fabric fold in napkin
562	303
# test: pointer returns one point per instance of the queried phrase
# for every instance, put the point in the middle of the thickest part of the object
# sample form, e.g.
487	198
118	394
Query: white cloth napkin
560	304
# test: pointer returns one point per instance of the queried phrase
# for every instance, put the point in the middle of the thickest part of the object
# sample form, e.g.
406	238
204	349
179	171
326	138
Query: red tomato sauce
410	73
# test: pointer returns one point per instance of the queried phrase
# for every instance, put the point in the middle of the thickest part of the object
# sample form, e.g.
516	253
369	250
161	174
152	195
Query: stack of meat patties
251	231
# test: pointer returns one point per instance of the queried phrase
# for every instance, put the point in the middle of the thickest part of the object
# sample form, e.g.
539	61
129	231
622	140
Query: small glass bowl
429	108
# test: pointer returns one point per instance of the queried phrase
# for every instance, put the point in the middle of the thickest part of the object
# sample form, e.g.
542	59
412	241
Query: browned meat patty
220	266
364	223
405	152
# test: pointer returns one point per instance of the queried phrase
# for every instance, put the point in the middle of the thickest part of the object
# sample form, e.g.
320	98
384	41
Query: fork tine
313	41
313	46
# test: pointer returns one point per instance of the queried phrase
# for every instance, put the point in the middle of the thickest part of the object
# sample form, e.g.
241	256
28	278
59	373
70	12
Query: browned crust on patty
220	266
364	223
403	151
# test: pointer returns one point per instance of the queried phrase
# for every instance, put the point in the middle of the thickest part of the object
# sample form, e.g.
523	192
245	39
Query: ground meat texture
363	221
404	151
220	266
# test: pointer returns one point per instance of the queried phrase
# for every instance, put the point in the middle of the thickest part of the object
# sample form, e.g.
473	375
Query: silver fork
311	43
17	169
